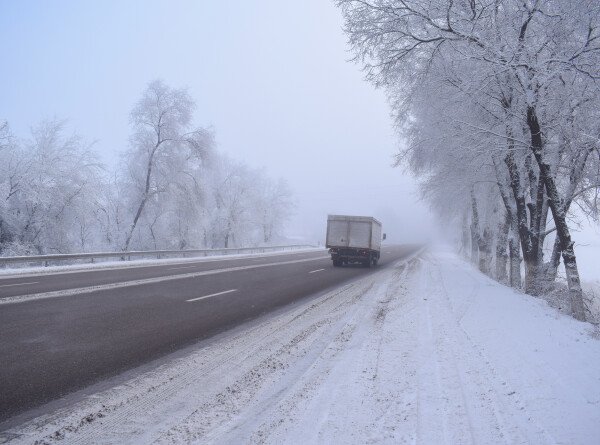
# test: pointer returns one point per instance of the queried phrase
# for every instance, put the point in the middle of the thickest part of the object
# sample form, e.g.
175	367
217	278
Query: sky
272	78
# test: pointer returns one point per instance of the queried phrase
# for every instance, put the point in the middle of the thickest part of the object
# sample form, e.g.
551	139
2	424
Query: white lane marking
318	270
183	267
104	287
213	295
18	284
136	264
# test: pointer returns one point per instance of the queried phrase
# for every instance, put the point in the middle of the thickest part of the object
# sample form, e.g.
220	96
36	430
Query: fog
273	79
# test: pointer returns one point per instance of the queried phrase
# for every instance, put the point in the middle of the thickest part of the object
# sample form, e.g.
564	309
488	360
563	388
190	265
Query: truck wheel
367	262
375	260
337	263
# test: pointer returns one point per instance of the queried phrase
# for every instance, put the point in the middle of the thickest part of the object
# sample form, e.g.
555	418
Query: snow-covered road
429	352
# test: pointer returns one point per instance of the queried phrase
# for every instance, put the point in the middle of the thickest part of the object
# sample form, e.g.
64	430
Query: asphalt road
52	346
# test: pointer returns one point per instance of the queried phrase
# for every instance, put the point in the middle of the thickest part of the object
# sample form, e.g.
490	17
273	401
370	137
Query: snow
429	351
16	270
588	251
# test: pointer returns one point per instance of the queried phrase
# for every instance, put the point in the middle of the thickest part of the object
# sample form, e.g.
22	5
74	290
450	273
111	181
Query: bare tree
162	128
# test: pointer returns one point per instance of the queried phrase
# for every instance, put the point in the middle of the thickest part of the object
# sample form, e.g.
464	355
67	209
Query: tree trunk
474	246
542	235
515	261
529	244
474	231
514	267
560	218
538	228
465	235
501	253
532	286
144	196
577	168
485	247
481	242
552	266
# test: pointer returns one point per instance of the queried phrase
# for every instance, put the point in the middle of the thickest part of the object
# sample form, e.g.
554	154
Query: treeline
171	190
498	104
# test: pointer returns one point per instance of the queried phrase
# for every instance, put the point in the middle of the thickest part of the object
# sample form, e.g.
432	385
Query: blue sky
271	77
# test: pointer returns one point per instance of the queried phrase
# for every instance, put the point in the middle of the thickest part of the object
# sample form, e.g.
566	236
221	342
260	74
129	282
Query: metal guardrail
46	259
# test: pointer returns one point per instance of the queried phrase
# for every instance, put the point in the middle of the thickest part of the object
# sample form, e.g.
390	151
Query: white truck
353	239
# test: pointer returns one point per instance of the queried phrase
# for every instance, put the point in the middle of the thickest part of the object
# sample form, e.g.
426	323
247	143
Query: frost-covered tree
518	70
47	183
172	189
10	178
243	206
163	133
274	207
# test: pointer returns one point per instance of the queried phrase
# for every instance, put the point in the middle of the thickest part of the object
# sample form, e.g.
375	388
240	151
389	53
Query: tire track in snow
485	384
467	375
329	387
236	407
117	411
251	426
431	403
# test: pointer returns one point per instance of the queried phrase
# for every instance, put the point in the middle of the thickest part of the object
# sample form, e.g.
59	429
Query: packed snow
429	351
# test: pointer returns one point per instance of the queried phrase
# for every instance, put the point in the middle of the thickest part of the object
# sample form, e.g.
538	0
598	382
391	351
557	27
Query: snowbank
429	352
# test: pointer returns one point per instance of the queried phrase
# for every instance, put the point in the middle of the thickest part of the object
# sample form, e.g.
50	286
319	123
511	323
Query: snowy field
430	352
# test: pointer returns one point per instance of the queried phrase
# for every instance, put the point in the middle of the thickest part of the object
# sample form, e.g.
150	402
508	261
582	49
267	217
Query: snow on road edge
425	352
144	281
22	272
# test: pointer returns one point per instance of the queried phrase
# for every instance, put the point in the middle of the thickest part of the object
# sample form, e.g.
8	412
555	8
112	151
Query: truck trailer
353	239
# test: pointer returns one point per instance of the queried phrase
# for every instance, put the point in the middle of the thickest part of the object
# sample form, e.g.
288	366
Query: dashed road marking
146	281
213	295
183	267
318	270
19	284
